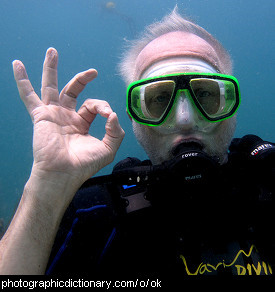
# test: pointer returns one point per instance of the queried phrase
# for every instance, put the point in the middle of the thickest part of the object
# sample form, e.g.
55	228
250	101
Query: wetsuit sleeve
83	232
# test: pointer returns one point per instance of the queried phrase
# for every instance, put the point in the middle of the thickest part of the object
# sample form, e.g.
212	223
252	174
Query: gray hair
170	23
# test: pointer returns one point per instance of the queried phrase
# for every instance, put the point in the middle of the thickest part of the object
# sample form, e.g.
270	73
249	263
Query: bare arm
65	155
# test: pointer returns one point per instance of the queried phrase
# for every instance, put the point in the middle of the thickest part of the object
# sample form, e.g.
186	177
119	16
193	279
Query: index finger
26	91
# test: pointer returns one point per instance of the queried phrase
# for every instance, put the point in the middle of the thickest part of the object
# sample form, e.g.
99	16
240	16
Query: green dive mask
215	96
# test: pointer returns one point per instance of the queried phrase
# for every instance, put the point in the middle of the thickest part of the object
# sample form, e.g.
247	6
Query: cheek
226	129
218	141
162	144
156	146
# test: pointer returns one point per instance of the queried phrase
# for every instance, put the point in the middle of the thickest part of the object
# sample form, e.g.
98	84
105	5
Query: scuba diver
202	203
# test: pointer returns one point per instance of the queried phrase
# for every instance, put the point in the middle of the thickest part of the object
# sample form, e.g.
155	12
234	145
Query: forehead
175	45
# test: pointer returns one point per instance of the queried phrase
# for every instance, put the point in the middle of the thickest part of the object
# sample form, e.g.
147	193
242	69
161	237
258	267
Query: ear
129	115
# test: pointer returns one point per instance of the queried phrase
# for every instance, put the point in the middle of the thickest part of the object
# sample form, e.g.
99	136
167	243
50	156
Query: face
179	52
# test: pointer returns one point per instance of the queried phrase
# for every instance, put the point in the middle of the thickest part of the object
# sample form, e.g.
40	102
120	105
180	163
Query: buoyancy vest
221	226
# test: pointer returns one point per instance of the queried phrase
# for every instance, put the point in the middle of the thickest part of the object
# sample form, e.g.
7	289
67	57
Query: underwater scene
93	34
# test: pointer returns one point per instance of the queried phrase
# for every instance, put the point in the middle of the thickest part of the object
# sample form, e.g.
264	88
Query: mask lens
216	97
150	101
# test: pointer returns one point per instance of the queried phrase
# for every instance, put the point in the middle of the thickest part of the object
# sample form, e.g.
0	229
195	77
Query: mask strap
190	65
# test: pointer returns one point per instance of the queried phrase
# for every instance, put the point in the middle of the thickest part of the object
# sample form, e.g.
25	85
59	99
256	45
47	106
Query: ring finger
49	89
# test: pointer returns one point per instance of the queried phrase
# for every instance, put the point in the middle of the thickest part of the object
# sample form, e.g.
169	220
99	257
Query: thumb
114	133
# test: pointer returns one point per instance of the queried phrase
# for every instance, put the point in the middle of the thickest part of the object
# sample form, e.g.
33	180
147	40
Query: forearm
26	246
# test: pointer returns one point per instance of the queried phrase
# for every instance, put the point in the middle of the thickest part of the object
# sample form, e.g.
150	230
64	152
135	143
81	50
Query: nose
185	113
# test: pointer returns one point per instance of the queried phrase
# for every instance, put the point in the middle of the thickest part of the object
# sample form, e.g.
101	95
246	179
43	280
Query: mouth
186	144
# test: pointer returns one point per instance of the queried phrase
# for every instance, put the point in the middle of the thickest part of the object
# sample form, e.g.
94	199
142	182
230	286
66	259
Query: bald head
183	36
176	44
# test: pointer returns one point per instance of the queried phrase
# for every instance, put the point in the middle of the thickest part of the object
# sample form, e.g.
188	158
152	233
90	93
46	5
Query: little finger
26	91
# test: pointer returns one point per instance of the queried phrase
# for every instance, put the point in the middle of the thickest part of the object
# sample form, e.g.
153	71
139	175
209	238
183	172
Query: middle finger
71	91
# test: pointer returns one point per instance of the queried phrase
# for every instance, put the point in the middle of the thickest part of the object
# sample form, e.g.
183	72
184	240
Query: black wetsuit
222	226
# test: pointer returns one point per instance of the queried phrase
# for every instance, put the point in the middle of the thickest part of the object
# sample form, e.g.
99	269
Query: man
190	209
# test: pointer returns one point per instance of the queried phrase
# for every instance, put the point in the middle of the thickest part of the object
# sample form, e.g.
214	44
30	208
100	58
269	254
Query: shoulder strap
254	160
253	147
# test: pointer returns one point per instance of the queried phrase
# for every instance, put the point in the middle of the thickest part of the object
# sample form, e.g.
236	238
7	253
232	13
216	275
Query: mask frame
182	81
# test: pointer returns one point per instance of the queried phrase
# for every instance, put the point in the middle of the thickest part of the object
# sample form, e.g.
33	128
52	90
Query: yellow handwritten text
249	269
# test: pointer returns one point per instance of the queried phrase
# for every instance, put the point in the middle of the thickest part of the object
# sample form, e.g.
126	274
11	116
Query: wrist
53	191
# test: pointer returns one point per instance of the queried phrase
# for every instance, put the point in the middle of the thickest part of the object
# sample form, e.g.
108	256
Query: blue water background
88	34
